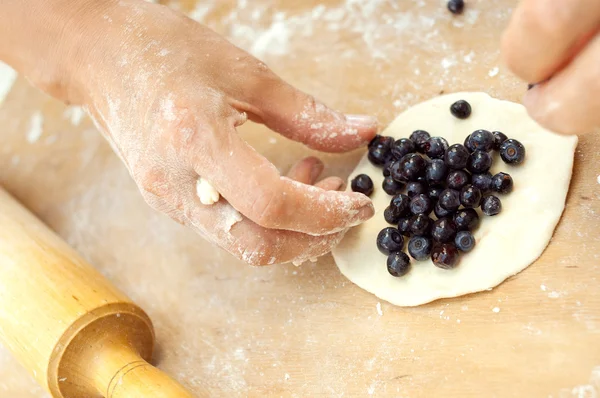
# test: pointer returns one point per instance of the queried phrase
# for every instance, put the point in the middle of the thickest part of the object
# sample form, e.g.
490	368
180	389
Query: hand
559	41
168	93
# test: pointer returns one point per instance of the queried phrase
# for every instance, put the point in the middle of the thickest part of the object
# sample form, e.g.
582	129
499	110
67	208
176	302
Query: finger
569	102
307	170
543	34
300	117
253	244
331	184
255	188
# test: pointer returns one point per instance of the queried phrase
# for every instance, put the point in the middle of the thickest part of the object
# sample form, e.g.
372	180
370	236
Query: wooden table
306	332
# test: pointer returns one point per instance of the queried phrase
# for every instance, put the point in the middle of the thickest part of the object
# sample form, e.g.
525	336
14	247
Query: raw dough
507	243
206	192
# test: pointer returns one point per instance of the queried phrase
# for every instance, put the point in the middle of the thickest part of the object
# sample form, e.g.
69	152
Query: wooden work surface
307	331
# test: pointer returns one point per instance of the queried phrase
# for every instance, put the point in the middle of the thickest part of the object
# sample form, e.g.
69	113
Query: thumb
300	117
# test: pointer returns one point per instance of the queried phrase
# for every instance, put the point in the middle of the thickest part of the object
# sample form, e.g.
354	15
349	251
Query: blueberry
435	147
402	147
420	137
457	179
461	108
449	199
362	183
445	256
411	167
482	181
470	196
464	241
376	140
512	152
380	150
420	225
395	170
391	186
421	204
457	156
404	226
440	212
398	264
491	205
467	144
389	240
386	168
416	188
436	172
443	230
456	6
502	183
481	140
499	138
391	216
466	220
419	247
479	162
402	205
434	193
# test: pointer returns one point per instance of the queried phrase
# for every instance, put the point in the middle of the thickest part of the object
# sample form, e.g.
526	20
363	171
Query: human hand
168	93
560	41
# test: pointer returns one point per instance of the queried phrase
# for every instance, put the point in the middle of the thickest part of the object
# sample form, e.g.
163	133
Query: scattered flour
494	71
7	79
543	288
598	179
496	310
36	125
75	114
206	192
379	311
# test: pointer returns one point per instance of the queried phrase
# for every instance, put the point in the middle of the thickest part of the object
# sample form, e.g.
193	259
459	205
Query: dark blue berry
479	162
449	199
482	181
434	193
499	138
398	264
386	168
464	241
443	230
461	108
389	240
395	170
456	6
362	183
481	140
420	224
419	247
436	172
491	205
440	212
470	196
402	147
420	137
512	152
457	179
391	186
416	188
421	204
467	144
411	167
404	226
402	205
445	256
391	216
457	156
436	147
466	220
502	183
380	150
376	140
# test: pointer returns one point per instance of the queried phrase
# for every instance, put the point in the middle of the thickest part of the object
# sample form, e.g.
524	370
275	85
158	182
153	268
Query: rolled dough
506	243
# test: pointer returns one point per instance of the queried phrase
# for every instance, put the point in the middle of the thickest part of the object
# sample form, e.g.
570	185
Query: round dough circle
506	243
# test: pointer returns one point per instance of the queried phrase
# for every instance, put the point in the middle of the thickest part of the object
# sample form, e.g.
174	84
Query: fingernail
365	213
361	120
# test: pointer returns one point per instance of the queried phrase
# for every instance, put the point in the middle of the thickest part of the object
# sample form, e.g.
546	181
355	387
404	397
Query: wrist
49	41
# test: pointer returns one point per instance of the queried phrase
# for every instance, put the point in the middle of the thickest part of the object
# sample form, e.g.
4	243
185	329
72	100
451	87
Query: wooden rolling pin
77	334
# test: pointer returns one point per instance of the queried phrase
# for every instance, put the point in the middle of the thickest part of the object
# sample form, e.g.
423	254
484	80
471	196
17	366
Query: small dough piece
506	243
206	192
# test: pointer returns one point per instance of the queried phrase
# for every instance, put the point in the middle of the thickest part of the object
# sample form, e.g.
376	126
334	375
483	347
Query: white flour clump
35	127
206	192
7	79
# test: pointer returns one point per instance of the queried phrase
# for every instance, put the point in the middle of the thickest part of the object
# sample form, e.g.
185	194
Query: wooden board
304	332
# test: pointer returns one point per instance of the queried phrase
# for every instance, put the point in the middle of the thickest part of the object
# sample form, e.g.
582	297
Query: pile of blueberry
424	175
